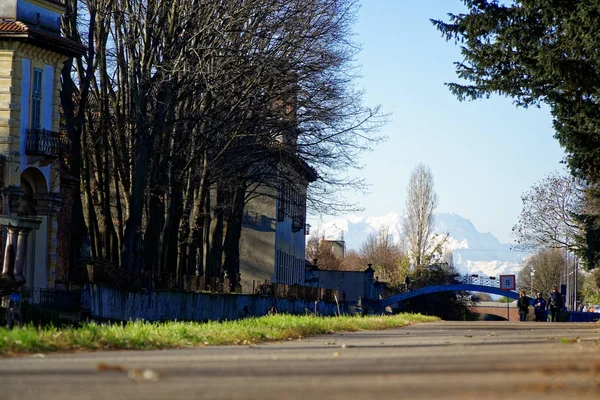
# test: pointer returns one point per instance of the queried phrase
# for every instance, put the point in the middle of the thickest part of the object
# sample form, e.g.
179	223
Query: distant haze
473	252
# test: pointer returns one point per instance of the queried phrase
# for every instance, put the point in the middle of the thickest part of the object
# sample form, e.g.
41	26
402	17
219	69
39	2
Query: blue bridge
468	283
398	298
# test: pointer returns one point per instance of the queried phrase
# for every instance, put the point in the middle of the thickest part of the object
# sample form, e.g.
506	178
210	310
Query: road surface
444	360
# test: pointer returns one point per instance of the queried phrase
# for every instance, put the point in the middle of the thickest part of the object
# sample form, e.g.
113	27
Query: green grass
161	335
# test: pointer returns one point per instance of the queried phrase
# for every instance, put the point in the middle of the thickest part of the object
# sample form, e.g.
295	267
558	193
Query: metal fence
59	300
298	292
159	280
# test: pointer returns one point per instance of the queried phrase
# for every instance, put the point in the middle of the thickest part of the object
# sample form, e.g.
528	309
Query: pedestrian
556	304
407	283
523	306
540	308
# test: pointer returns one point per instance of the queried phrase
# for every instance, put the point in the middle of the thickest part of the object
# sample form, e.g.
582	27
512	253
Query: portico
15	251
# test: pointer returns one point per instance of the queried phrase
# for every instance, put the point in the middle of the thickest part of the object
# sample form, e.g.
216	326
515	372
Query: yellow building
32	53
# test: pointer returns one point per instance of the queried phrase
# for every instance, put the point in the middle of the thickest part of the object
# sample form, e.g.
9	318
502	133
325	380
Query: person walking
556	304
540	309
523	306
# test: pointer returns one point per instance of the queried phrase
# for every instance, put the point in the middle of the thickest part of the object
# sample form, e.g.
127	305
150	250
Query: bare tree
313	247
387	257
547	266
421	203
320	250
548	217
194	109
353	261
76	77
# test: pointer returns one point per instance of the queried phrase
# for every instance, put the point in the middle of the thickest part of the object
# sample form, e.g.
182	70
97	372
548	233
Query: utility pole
576	278
567	294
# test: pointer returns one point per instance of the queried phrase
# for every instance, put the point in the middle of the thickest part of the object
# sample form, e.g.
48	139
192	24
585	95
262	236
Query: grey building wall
290	239
257	242
338	247
272	249
351	282
354	284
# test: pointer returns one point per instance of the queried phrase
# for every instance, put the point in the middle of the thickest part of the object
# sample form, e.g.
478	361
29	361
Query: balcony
297	223
41	142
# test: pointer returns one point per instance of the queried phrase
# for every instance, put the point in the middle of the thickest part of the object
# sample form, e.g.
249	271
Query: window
36	99
281	205
289	269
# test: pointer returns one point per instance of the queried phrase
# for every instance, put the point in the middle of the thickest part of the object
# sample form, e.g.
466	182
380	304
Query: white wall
36	272
47	109
36	263
40	279
25	103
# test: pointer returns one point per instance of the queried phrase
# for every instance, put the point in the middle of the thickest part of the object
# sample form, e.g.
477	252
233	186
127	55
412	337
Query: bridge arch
398	298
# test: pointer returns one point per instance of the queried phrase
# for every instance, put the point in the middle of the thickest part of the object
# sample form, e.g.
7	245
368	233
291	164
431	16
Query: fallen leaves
589	370
136	374
102	367
139	374
541	387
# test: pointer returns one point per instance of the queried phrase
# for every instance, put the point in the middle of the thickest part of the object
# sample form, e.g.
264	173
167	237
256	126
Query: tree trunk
215	251
231	246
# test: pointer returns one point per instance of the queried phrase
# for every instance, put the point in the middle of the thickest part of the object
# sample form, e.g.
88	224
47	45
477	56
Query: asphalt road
445	360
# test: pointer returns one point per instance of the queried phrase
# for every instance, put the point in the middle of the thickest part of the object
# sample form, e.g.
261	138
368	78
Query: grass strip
141	335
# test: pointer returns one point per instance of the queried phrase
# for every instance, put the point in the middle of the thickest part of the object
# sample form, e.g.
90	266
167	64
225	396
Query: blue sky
483	154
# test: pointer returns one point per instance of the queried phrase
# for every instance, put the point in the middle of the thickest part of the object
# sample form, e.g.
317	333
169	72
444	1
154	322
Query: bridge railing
475	279
468	279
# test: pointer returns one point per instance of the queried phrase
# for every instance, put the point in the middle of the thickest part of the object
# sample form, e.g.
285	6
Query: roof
12	26
19	31
57	2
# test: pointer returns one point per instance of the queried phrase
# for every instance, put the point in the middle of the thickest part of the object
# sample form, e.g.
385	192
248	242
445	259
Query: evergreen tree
538	52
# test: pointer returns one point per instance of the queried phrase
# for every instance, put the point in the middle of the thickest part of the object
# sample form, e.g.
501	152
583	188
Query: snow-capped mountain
474	252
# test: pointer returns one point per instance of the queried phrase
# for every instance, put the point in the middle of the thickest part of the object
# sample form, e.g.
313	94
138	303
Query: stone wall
106	303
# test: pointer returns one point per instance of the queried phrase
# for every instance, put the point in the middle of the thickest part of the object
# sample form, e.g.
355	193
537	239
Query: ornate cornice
19	31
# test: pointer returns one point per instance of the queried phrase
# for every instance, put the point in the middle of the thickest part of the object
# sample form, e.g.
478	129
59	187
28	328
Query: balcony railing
297	223
41	142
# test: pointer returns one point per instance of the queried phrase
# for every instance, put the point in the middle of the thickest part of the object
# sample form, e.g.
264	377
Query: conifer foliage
537	52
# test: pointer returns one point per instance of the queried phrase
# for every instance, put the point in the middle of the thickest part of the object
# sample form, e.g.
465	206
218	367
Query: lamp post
532	274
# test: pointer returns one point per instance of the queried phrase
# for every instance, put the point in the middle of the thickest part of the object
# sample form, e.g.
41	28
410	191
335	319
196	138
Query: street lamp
532	274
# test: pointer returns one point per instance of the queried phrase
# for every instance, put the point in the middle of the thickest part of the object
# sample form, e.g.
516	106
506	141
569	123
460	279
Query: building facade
32	54
272	244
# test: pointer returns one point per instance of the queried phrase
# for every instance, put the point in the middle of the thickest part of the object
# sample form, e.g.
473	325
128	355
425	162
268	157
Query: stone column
58	273
11	240
21	254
